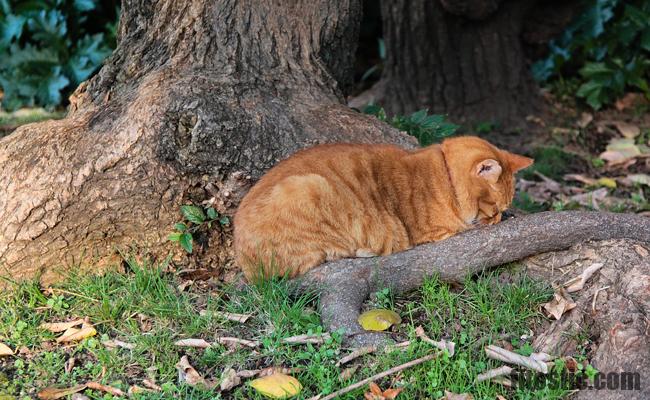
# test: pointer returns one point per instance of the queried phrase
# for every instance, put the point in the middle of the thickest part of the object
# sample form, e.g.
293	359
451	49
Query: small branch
493	373
497	353
304	339
375	377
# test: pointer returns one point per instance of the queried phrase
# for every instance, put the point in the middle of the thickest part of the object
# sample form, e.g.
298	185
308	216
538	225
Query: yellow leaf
75	335
5	350
607	182
277	386
378	320
52	393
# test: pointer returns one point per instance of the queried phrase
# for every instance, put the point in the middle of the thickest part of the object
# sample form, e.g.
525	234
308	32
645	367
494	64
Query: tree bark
345	284
197	101
463	58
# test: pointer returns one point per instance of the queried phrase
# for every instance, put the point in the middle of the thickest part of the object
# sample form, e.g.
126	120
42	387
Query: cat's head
483	177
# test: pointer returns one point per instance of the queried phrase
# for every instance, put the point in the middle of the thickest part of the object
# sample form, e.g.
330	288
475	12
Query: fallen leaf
277	386
187	373
56	327
52	393
641	179
454	396
241	318
229	380
607	182
560	304
619	150
640	250
627	101
378	320
590	199
135	389
5	350
627	130
111	344
105	388
348	373
580	178
375	393
151	385
585	120
230	341
75	335
578	282
200	343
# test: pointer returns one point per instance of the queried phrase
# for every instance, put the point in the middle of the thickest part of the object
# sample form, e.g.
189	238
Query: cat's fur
354	200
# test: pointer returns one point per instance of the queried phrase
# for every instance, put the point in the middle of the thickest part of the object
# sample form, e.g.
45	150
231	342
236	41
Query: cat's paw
364	253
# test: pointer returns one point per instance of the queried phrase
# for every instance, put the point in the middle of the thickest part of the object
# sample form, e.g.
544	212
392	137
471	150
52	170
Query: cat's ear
489	169
517	162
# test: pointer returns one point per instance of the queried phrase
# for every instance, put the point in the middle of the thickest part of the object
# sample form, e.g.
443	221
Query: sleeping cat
354	200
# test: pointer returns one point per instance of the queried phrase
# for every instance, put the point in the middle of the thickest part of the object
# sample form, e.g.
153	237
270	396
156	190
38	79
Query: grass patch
145	307
12	120
550	161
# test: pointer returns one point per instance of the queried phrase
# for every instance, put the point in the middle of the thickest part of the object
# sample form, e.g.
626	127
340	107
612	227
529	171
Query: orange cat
353	200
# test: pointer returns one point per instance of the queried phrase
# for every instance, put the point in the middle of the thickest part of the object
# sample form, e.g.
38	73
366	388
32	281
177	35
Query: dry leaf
627	130
607	182
187	373
348	373
560	304
52	393
585	120
454	396
627	101
230	341
135	389
151	385
580	178
5	350
375	393
619	150
111	344
641	179
578	282
229	380
241	318
105	389
56	327
378	320
200	343
75	335
277	386
304	339
591	199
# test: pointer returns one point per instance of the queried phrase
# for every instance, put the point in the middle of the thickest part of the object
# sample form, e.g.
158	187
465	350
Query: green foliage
426	128
550	161
48	47
608	45
194	219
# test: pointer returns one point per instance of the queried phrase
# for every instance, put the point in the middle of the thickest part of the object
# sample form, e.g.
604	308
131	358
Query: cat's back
331	162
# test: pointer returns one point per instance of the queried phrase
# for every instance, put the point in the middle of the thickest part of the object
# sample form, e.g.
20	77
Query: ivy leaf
186	241
193	214
212	213
181	227
224	220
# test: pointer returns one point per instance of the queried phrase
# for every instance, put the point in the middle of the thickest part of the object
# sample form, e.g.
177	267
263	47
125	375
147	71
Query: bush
426	128
607	48
48	47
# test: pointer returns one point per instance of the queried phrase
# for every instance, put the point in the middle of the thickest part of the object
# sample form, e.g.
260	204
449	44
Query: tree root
345	284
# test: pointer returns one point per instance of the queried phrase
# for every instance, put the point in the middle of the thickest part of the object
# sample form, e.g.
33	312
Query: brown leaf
199	343
348	373
375	393
229	380
52	393
56	327
585	120
187	373
627	101
105	388
627	130
580	178
454	396
5	350
578	282
560	304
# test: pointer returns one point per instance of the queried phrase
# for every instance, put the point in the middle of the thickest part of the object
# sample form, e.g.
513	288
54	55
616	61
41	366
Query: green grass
10	121
145	307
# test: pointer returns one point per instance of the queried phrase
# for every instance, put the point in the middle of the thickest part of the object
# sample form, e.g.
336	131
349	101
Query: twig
105	388
377	376
442	345
303	339
230	340
493	373
497	353
593	302
361	351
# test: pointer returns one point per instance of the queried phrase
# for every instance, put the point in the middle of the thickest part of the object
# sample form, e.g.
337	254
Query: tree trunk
459	57
198	100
